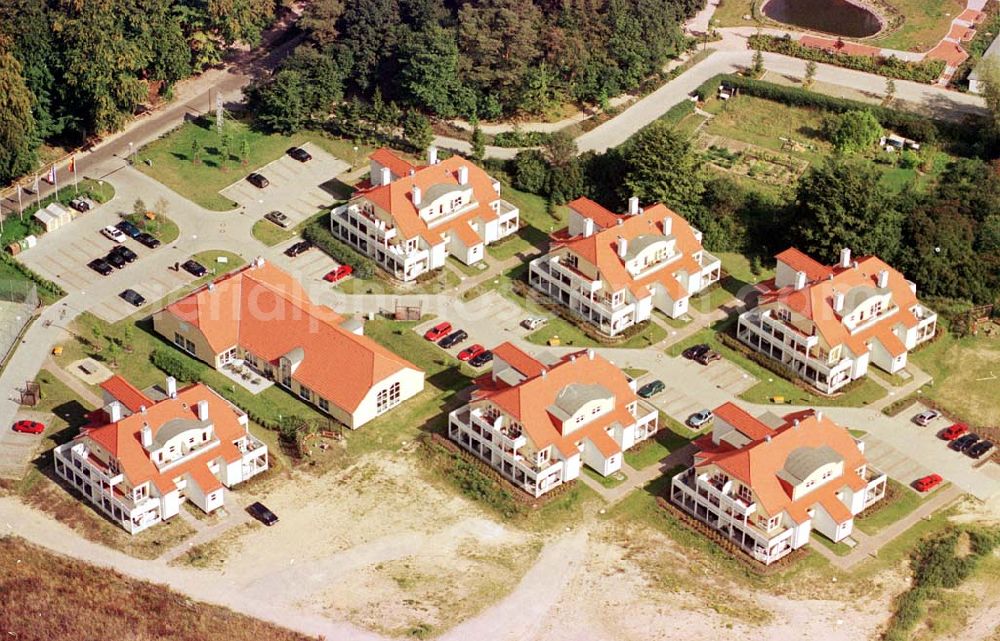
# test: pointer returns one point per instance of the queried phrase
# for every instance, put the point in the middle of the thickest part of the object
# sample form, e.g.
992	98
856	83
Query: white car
113	233
533	322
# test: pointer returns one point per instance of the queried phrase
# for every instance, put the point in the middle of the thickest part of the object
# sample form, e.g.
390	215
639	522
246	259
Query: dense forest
480	60
73	68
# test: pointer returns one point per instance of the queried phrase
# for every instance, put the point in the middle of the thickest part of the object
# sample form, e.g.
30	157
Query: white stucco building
614	270
537	422
766	483
149	456
410	218
827	324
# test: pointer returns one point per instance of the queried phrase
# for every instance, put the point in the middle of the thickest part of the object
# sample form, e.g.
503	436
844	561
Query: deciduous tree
17	123
661	167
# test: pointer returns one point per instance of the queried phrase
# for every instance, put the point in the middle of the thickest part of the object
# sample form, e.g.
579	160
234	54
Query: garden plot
750	161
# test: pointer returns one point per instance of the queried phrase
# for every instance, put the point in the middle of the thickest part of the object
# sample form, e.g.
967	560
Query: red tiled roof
126	393
743	421
587	208
398	166
267	312
518	359
800	262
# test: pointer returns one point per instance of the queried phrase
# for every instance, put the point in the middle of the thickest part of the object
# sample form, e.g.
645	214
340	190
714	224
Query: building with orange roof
614	270
260	321
767	482
536	421
137	467
828	323
410	218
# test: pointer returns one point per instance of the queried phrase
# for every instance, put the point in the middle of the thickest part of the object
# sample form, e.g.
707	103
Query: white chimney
544	372
142	409
845	257
171	387
838	302
883	279
668	225
386	176
800	280
819	415
114	411
202	410
498	422
588	227
795	423
432	155
463	175
622	247
259	262
147	436
416	195
590	354
633	206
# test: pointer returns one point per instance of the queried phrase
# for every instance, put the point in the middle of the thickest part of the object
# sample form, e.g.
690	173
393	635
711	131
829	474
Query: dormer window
783	315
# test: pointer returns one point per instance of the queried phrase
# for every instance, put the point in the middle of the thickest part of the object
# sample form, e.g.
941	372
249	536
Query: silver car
926	417
700	419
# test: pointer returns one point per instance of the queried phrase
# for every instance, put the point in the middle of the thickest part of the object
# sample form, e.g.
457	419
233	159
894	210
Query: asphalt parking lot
675	400
308	268
906	451
296	189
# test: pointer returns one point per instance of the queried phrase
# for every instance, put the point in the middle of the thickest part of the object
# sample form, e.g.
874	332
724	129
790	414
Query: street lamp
355	163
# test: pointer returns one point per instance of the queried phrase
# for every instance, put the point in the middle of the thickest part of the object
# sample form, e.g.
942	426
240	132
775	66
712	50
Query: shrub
518	138
44	284
320	235
181	367
926	71
676	113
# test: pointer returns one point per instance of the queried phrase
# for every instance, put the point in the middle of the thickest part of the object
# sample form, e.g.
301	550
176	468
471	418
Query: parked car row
962	440
701	354
447	337
259	181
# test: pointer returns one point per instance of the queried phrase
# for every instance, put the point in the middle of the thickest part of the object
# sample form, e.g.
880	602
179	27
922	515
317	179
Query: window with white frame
387	398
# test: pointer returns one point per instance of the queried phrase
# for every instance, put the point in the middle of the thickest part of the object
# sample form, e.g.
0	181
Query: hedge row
676	113
518	138
175	365
926	71
54	290
319	234
920	128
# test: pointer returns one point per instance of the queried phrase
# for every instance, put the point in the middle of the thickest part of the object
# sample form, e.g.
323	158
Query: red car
438	332
954	431
471	352
29	427
343	271
927	483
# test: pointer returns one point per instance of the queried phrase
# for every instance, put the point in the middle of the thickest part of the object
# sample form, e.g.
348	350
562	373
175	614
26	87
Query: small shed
53	216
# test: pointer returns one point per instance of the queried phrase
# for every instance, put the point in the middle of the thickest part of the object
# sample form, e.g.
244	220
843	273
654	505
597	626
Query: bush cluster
174	364
518	138
926	71
319	234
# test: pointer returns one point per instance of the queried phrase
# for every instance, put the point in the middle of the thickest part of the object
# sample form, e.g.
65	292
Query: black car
80	204
127	254
128	229
980	448
298	248
101	266
963	443
133	297
300	154
257	180
115	260
258	511
482	359
148	240
453	338
694	351
194	268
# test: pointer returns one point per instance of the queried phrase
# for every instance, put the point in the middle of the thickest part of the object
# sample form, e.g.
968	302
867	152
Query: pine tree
890	92
810	78
478	144
758	63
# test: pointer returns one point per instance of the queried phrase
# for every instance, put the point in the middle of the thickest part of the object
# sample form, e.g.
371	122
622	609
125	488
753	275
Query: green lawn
741	268
443	280
964	372
770	384
570	334
609	482
468	270
671	437
536	225
899	502
173	165
270	234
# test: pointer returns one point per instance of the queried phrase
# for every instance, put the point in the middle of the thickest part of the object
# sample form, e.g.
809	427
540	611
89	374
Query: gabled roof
800	262
587	208
396	198
742	421
267	312
601	250
126	393
123	439
389	160
769	465
517	358
815	302
531	400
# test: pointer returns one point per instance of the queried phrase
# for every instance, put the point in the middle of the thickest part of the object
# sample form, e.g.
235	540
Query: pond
837	17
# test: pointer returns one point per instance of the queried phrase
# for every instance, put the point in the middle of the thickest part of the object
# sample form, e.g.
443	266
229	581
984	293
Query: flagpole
76	182
55	181
20	205
38	193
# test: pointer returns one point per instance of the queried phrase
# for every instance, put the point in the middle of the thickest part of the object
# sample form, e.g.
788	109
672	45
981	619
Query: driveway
296	189
16	449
